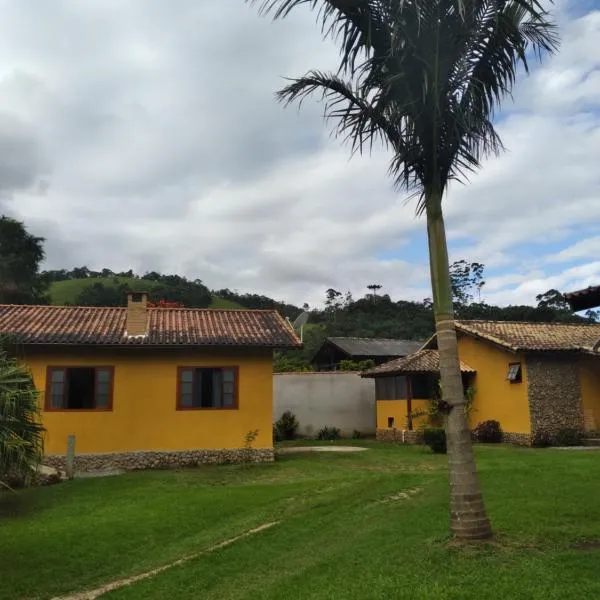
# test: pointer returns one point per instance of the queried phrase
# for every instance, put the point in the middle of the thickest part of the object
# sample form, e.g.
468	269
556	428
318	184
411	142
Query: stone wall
416	437
160	460
554	393
518	439
402	436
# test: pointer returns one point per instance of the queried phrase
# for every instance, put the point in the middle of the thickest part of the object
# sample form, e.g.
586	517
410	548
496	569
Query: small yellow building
140	386
534	378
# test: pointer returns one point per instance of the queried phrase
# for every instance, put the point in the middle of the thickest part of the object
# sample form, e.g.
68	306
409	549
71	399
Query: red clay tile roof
519	336
423	361
83	325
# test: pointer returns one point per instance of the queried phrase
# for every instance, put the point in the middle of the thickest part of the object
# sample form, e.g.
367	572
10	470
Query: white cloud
546	187
149	138
582	249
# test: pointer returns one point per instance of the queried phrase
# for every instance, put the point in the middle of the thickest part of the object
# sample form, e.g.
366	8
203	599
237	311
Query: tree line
374	315
379	316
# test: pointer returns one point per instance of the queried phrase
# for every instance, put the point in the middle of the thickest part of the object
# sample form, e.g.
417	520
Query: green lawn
339	536
62	292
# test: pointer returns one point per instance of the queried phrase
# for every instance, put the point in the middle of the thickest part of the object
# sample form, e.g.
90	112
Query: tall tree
333	301
374	287
553	299
20	257
466	280
424	77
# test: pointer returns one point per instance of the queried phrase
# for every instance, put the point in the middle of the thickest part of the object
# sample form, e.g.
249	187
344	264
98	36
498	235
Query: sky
145	135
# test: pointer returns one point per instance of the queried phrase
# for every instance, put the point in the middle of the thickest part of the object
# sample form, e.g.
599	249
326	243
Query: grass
344	530
62	292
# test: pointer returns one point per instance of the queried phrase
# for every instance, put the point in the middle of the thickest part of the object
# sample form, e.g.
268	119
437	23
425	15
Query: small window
79	388
514	373
391	422
207	387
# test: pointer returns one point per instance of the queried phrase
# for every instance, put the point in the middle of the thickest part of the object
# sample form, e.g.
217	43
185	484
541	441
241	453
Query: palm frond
432	74
360	120
21	431
359	25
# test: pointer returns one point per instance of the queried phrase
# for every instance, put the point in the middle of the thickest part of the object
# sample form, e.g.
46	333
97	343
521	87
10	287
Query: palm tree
424	78
21	432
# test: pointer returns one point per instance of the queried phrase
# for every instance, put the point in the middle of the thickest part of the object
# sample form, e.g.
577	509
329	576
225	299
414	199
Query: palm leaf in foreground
424	78
21	432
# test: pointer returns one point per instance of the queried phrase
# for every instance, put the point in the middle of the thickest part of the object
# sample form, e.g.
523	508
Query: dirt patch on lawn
411	468
586	545
402	495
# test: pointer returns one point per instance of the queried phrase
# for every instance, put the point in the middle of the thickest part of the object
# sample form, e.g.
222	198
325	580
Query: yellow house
534	378
140	386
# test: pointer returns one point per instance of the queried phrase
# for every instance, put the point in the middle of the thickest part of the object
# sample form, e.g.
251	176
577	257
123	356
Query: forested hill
85	287
374	315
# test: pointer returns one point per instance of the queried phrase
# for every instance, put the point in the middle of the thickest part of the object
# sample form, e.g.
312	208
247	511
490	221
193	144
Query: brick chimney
136	322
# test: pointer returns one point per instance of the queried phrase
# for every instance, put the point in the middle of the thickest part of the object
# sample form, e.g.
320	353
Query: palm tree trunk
467	512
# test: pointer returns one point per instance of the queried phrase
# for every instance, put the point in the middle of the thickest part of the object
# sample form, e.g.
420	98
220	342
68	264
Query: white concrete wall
342	400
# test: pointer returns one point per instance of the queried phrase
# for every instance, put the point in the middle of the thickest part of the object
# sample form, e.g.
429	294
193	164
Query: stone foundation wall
416	437
518	439
554	393
160	460
396	435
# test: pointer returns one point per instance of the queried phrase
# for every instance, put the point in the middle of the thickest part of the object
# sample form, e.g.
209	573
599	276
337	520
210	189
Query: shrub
286	427
541	440
356	365
568	437
21	431
435	438
488	432
249	439
329	433
356	434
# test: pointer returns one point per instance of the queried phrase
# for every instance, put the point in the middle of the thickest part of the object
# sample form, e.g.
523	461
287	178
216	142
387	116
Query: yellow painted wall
398	410
144	415
496	398
590	392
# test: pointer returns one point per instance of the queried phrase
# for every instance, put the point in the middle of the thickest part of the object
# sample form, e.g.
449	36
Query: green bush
329	433
286	427
356	434
488	432
435	438
568	437
541	440
356	365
